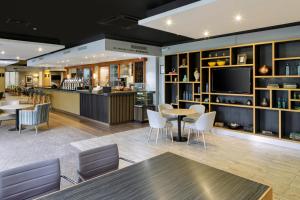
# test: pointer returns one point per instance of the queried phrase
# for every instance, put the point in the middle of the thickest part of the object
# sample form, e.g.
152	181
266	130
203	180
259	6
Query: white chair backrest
206	121
162	107
155	119
200	109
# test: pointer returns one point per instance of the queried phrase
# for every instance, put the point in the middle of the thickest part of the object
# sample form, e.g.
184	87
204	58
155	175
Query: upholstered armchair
35	117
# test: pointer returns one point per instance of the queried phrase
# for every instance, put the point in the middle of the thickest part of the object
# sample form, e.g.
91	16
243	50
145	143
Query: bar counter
108	108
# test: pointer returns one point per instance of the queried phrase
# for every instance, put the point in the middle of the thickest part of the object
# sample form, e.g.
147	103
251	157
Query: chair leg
20	128
36	130
166	134
189	135
149	134
183	126
171	135
203	139
158	130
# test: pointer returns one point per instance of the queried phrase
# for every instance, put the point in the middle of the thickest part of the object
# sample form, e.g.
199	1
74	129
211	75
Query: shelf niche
264	55
248	50
267	120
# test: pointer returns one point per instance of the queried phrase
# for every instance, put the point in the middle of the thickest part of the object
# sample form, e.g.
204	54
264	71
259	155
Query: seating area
150	100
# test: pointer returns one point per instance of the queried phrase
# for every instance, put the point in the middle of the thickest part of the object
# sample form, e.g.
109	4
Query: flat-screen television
232	80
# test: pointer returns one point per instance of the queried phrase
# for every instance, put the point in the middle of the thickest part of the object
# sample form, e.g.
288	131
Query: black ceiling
76	22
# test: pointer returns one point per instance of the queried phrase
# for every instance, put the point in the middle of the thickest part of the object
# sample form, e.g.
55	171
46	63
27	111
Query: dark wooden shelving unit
277	117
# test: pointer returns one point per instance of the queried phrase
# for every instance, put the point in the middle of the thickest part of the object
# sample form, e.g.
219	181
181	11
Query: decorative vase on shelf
196	75
263	70
218	100
287	69
249	102
298	69
184	78
184	62
279	103
264	102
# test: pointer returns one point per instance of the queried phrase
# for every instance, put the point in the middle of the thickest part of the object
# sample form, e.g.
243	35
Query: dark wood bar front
110	108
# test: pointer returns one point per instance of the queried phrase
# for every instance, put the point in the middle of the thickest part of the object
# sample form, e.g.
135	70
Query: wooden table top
15	107
179	112
167	176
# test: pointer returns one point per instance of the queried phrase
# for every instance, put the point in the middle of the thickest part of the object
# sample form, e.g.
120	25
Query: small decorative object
218	100
206	87
184	78
264	102
287	69
283	103
197	99
263	70
265	132
173	70
295	135
209	55
290	85
212	64
175	79
216	54
199	90
298	69
219	124
295	96
278	103
206	100
221	62
242	59
183	61
223	54
196	75
234	125
249	103
273	85
297	107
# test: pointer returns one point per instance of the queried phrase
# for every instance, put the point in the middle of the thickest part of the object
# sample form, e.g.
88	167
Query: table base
181	139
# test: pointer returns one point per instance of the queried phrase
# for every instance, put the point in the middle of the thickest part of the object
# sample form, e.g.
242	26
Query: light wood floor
269	164
94	128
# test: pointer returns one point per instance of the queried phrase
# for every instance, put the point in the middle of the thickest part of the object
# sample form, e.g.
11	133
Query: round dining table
180	113
17	108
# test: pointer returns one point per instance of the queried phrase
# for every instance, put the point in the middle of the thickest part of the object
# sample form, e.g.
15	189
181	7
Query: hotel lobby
153	99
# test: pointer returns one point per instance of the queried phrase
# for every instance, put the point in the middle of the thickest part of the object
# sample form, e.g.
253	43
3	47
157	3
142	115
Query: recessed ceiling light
169	22
40	49
2	52
206	33
94	56
86	57
18	58
238	18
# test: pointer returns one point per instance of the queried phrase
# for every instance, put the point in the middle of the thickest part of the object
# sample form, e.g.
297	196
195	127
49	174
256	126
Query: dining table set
7	106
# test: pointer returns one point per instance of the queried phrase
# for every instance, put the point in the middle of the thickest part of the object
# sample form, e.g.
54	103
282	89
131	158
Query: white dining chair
202	125
200	109
162	107
156	121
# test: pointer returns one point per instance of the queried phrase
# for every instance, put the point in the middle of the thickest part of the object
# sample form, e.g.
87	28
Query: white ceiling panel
218	17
